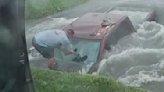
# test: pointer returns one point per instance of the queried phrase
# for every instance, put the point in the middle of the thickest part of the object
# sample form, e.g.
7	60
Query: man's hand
69	52
66	51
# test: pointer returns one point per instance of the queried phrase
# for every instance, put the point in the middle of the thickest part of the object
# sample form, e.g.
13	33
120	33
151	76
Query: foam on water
85	69
145	74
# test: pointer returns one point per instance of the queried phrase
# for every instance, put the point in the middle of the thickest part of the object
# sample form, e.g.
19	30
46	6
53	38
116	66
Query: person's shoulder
59	29
64	37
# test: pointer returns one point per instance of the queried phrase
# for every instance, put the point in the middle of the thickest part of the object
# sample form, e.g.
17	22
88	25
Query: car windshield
89	49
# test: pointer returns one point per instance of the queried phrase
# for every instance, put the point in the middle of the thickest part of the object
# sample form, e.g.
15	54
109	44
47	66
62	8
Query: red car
95	32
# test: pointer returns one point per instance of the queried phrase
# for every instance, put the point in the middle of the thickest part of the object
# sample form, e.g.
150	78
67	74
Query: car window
110	41
122	30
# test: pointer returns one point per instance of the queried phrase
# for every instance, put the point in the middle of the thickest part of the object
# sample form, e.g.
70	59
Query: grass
54	81
41	8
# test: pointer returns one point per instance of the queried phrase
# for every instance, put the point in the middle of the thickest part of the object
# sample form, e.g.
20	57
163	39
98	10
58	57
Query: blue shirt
52	39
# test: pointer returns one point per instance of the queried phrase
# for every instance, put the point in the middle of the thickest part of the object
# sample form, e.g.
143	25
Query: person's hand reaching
71	51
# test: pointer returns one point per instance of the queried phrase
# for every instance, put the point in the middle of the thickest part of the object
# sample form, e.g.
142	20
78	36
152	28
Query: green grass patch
41	8
54	81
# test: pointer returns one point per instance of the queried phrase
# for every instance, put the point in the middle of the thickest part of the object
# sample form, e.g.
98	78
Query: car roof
91	23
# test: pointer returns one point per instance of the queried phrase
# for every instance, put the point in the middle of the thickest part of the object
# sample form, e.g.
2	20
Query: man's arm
66	51
64	47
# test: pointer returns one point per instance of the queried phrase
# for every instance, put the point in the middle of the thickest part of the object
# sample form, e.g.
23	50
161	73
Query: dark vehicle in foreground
15	75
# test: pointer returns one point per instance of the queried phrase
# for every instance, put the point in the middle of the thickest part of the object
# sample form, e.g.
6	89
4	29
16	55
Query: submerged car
96	32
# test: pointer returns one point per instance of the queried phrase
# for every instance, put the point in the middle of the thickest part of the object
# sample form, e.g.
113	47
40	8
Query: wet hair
70	31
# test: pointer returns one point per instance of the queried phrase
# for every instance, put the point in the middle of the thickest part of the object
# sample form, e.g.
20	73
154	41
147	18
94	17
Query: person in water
46	41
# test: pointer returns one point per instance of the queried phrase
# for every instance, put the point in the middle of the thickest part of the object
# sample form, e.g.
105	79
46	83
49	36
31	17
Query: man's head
69	33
